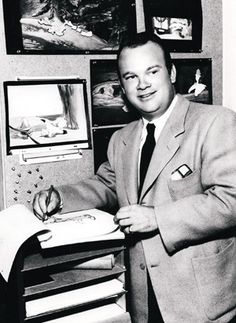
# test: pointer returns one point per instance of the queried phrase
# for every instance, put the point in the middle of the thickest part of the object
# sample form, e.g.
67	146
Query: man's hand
46	203
136	218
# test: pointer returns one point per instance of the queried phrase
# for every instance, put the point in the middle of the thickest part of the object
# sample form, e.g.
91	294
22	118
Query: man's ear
173	74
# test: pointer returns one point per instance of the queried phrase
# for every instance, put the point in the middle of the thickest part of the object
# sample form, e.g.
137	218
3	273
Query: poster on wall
45	114
177	22
67	26
109	106
194	79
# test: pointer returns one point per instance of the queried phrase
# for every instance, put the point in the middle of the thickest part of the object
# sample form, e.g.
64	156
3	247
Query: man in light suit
180	224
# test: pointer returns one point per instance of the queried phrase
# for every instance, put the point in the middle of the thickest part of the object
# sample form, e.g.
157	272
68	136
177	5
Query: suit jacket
191	260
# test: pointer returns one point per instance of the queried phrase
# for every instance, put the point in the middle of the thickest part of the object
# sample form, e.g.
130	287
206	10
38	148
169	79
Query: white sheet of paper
95	315
17	224
74	297
81	226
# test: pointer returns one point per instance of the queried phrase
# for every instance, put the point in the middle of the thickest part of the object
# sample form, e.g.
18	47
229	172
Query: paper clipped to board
18	223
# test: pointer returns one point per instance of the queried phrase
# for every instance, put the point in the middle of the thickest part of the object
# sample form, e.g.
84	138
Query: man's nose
143	83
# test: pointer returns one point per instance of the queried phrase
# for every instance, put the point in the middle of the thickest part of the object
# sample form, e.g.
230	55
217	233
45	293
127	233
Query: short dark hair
139	39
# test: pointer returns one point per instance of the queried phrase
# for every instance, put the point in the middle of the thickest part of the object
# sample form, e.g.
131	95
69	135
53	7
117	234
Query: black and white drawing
109	106
178	23
45	113
61	26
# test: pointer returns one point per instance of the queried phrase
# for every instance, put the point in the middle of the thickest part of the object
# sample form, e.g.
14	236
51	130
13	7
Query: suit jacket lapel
130	162
167	144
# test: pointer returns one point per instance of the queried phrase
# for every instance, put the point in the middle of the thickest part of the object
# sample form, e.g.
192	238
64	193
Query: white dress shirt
159	125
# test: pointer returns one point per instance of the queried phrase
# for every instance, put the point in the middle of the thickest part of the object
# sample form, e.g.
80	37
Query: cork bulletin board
23	181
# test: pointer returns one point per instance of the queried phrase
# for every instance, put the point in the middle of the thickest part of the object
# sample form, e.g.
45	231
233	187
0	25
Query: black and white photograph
178	24
117	161
109	106
194	79
173	28
50	26
45	113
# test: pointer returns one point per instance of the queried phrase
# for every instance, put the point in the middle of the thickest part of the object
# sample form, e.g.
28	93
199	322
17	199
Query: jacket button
142	266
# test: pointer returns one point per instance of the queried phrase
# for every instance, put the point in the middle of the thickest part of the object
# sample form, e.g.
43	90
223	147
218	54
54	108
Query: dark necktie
146	153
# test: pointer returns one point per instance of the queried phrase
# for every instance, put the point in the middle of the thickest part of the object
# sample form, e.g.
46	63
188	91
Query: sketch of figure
197	87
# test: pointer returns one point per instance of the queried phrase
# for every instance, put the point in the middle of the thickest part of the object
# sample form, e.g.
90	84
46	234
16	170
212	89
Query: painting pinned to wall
67	26
109	106
46	113
178	23
194	79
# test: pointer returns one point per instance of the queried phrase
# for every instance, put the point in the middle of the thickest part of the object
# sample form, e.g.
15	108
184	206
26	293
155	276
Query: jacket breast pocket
186	186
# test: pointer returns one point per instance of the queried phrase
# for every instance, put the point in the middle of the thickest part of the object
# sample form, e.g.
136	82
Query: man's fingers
46	203
42	201
36	208
125	222
54	203
124	212
128	230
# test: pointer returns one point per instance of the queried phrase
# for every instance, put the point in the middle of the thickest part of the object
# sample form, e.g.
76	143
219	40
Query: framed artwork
101	138
48	113
67	26
194	79
109	106
177	22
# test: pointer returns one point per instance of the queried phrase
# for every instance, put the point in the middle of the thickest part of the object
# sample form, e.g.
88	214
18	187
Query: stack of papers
74	297
94	315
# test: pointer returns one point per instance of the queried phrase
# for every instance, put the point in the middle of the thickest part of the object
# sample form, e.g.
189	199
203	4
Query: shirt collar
160	122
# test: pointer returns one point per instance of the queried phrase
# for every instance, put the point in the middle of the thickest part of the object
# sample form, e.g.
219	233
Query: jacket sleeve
212	212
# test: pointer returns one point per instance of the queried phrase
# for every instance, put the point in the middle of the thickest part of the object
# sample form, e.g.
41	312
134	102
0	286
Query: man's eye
154	71
129	77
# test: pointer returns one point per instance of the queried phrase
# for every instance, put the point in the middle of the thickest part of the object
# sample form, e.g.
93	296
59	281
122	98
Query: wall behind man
229	62
17	182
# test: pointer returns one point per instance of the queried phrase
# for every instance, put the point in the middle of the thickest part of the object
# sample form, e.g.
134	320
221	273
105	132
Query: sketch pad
80	226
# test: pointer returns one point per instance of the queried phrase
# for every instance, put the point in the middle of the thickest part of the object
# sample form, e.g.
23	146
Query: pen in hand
48	199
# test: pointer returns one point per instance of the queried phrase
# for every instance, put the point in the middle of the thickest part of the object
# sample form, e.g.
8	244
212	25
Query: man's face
145	79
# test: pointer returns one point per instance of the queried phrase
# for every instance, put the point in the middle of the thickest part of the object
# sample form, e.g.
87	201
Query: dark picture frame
194	79
66	26
177	22
101	138
109	106
43	114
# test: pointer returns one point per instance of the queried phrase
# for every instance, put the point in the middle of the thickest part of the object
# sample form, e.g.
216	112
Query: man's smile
146	95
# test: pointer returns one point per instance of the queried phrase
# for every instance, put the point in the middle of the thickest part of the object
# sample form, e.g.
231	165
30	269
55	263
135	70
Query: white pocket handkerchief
181	172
